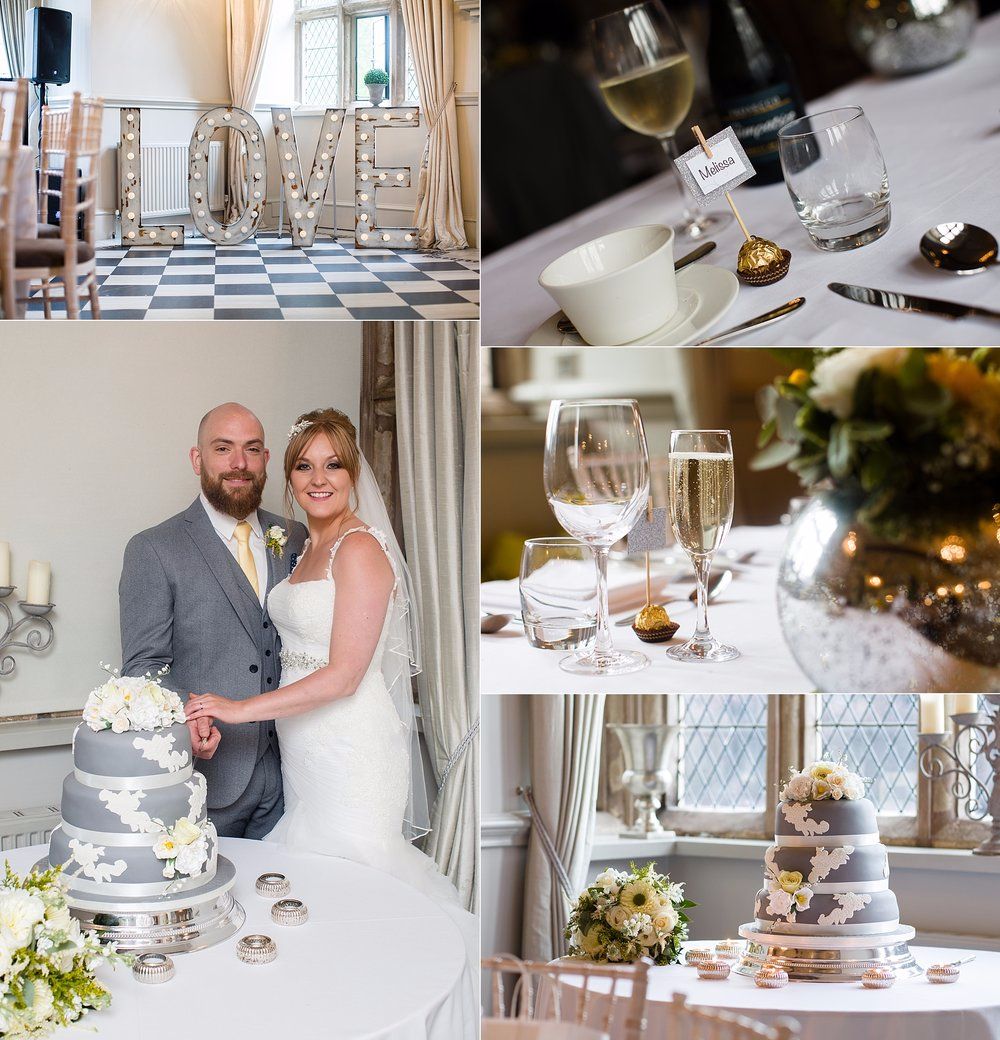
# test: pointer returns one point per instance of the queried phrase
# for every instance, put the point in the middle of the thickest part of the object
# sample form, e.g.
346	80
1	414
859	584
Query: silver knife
897	301
762	319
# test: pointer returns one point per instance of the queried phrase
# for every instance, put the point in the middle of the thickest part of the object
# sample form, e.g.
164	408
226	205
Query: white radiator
165	179
22	827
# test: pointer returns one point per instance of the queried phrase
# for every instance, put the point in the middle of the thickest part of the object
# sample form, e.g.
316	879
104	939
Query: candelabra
34	627
941	758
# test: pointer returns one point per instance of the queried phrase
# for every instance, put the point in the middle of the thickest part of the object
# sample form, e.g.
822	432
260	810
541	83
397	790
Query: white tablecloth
940	135
744	615
376	959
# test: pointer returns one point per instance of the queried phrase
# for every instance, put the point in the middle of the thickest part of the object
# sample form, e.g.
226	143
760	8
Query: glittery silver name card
649	535
708	179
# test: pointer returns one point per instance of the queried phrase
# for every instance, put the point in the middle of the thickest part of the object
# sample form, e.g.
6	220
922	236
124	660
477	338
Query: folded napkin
626	585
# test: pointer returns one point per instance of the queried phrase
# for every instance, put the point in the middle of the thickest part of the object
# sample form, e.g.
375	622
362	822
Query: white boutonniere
275	539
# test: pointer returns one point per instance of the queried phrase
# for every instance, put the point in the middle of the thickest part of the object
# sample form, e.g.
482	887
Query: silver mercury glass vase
865	614
646	776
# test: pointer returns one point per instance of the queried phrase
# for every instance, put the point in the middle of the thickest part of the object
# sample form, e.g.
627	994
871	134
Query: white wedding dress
345	765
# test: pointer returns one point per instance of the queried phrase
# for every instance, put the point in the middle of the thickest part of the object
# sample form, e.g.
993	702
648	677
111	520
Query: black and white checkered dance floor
270	278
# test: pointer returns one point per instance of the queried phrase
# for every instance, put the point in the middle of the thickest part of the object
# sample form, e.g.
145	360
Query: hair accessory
299	427
153	968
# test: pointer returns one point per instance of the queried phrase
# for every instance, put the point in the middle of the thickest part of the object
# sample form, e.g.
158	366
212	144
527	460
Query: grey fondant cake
827	874
134	827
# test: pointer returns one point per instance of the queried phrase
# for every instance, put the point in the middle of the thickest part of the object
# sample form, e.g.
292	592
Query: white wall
95	426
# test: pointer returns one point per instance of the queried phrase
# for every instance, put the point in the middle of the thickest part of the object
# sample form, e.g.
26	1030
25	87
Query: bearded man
193	598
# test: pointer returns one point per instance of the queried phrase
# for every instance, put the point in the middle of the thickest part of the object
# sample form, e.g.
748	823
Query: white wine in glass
701	486
597	485
645	74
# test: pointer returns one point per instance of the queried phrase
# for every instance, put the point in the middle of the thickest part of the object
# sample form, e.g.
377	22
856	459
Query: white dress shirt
225	528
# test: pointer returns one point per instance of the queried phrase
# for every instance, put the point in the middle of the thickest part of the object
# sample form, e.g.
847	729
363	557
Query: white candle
39	582
965	703
4	563
931	713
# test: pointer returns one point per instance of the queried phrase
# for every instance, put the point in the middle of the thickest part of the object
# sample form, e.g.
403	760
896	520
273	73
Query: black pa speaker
48	36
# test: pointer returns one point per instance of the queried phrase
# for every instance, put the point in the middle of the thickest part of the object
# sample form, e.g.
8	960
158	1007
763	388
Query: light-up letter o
245	226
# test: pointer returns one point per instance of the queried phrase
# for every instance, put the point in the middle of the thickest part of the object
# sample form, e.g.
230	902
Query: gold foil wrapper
761	262
653	625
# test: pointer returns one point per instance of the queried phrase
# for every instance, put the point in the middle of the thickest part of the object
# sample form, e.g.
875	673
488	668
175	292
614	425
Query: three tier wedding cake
136	845
826	907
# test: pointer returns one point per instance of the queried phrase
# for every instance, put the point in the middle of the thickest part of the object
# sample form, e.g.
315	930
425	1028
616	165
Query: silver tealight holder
646	777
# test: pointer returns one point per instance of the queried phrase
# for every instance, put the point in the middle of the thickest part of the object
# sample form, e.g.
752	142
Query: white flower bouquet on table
123	704
823	780
46	963
625	915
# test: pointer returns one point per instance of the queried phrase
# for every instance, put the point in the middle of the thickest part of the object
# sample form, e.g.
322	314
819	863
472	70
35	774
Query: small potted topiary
376	80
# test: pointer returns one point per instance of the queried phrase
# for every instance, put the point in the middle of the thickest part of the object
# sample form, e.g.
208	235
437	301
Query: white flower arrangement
126	703
183	847
275	540
823	780
625	915
786	894
47	963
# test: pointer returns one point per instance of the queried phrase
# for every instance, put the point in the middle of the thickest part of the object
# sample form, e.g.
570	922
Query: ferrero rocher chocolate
761	262
653	625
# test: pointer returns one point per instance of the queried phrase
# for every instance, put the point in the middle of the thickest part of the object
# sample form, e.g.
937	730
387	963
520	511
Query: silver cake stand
182	923
823	958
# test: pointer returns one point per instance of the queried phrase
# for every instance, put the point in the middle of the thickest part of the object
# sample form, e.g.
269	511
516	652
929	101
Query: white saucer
704	294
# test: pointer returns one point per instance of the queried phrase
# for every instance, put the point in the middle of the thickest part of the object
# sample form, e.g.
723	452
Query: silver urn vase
863	613
645	749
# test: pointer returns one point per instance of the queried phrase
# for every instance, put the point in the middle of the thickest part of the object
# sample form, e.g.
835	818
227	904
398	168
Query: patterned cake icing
134	825
827	873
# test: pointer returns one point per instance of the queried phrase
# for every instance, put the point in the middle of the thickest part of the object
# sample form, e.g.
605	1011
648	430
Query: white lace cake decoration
159	749
199	795
125	805
827	860
850	904
797	814
88	858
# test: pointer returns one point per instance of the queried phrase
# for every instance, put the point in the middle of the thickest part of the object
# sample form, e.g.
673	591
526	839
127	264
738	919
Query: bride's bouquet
625	915
46	962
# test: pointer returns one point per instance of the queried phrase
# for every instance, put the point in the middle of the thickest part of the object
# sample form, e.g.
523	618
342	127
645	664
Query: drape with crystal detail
437	436
247	25
12	15
438	215
566	733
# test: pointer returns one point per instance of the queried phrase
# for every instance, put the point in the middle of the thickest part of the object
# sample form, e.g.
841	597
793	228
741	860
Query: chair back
598	996
691	1022
13	115
52	149
81	168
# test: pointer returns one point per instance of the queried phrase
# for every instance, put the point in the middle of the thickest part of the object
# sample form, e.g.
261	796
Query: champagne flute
647	79
597	485
702	484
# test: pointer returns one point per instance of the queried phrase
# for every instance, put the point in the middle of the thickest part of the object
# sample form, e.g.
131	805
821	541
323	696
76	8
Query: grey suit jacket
185	603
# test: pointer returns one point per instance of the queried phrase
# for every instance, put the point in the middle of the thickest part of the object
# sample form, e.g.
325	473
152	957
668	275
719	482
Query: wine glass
701	482
647	79
597	485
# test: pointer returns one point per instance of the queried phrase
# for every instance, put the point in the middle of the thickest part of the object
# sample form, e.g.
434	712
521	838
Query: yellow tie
244	556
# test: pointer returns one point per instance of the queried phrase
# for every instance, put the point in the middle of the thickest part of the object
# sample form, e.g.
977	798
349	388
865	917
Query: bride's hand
204	737
212	706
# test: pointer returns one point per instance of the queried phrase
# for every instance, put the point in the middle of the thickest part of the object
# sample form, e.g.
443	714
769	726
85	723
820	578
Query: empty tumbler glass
836	176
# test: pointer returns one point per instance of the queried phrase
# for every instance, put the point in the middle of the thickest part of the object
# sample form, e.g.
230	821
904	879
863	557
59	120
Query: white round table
375	959
913	1009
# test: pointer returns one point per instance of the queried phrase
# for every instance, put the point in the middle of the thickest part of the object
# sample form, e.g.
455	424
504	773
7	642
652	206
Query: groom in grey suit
193	596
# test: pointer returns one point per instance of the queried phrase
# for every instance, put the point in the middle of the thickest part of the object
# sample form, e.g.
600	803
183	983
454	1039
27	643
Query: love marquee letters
304	197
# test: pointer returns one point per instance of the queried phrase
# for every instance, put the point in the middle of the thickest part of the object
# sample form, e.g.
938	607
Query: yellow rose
799	378
821	789
185	831
590	941
790	880
821	770
616	917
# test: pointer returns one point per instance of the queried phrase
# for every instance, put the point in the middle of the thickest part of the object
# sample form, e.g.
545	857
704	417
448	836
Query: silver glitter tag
649	535
709	179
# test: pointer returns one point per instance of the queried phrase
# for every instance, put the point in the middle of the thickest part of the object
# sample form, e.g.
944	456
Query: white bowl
618	287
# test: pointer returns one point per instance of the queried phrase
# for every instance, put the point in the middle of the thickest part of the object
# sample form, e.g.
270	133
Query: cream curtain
247	25
438	215
566	733
437	431
12	15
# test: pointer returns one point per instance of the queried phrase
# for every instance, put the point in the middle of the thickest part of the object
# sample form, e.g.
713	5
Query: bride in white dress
349	754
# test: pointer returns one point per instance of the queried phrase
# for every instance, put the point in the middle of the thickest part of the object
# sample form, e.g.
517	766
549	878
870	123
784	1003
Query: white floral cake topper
275	540
127	703
823	780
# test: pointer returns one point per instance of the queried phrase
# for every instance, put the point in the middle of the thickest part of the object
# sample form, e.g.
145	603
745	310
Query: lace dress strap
379	537
298	559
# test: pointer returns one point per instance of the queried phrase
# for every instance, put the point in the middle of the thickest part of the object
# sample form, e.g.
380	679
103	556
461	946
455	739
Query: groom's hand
204	737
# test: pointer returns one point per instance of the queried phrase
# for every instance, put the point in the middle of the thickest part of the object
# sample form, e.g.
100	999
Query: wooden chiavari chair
690	1022
13	113
563	991
52	155
70	259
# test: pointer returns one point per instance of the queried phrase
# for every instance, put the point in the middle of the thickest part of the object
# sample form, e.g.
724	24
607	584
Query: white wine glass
647	79
702	484
597	485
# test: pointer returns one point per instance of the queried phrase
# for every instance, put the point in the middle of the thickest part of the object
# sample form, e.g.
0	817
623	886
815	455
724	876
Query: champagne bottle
753	84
